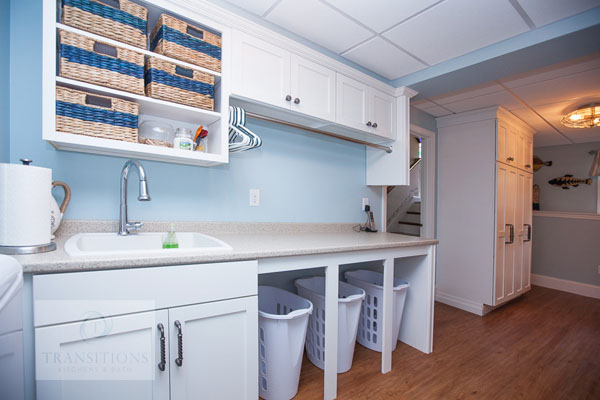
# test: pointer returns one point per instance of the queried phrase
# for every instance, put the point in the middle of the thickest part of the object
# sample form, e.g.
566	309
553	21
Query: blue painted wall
303	177
4	81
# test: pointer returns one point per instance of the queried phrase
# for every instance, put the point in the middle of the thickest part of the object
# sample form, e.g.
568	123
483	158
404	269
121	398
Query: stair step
410	223
414	212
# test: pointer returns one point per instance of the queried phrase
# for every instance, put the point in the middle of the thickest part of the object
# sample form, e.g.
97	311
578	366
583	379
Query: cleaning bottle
170	241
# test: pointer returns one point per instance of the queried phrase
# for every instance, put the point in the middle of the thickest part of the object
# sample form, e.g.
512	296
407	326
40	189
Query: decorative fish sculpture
567	180
538	163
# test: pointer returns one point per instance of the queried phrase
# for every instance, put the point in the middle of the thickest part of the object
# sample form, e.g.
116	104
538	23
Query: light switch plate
254	197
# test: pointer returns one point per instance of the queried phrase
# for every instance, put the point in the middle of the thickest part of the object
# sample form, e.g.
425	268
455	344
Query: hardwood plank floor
544	345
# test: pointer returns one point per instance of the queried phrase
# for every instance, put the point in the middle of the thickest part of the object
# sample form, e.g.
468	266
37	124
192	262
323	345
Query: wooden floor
544	345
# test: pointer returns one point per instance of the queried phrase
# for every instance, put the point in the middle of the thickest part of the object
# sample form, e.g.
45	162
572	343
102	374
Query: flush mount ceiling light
587	116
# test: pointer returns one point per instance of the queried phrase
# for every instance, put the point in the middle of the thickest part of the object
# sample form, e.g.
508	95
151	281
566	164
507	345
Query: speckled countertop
250	241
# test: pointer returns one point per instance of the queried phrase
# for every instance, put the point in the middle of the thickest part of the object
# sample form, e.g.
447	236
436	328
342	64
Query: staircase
411	223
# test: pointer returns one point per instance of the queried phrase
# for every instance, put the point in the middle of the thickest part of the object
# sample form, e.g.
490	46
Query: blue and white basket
120	20
177	39
103	117
92	61
172	82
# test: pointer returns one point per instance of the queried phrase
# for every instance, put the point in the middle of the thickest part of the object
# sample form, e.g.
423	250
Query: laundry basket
282	321
369	327
349	303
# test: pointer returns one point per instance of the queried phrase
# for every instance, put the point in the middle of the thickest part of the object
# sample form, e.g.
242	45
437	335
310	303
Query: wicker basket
95	62
182	41
171	82
127	22
88	114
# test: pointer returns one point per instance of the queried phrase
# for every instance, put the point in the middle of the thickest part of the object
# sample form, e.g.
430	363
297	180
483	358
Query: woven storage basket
180	40
88	114
126	22
171	82
95	62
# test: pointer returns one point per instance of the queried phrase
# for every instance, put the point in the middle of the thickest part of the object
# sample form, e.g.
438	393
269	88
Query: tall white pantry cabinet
485	183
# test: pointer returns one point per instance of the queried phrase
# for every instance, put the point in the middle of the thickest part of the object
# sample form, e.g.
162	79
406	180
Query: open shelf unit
178	115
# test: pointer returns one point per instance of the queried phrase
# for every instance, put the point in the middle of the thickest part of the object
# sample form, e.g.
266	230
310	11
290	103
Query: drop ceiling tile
554	71
533	120
502	98
318	23
543	12
468	93
453	28
581	87
380	15
548	139
422	102
554	113
258	7
384	58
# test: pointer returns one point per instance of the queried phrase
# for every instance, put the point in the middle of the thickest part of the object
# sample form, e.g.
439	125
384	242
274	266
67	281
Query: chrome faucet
124	225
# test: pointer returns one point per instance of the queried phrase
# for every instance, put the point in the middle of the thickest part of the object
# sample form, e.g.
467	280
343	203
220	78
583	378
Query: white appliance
11	330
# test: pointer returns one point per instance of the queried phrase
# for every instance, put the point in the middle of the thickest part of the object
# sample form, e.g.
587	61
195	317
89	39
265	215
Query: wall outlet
365	202
254	197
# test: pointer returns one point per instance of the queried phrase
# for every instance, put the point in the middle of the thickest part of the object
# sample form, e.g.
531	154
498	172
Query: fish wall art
538	163
568	180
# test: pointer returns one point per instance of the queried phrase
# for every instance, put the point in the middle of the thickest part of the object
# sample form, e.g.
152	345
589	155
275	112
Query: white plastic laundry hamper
282	321
369	327
349	302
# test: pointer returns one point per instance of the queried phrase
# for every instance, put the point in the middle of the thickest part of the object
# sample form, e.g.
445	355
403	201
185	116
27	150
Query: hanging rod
388	149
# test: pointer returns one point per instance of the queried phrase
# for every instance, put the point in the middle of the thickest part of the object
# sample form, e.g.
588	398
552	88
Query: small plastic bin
369	327
282	322
349	303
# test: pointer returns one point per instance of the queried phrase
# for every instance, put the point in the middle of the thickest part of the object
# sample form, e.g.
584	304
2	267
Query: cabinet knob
288	98
296	101
374	124
509	159
369	123
528	166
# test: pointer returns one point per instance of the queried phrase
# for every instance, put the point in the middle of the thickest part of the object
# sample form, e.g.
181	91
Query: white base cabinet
185	351
484	220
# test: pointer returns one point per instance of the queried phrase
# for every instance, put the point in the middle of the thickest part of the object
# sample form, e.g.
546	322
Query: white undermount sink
147	244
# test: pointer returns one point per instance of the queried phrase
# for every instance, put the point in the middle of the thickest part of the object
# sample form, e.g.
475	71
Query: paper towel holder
21	250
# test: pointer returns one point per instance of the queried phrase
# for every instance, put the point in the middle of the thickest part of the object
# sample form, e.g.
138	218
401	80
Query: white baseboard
582	289
461	303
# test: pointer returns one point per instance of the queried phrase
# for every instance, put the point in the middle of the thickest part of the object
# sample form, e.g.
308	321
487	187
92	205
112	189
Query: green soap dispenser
170	241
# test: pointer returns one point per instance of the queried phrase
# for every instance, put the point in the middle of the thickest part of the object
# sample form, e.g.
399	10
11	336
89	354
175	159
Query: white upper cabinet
362	107
514	147
353	105
269	74
260	70
312	88
383	115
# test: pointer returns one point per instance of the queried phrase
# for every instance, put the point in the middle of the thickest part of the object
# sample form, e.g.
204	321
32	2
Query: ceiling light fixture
587	116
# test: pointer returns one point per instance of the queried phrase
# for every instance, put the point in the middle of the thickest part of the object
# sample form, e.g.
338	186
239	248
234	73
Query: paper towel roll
24	205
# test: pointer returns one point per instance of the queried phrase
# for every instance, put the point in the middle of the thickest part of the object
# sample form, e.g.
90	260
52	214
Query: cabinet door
382	114
12	384
526	204
506	148
506	188
313	88
352	103
102	358
526	152
219	345
520	231
260	71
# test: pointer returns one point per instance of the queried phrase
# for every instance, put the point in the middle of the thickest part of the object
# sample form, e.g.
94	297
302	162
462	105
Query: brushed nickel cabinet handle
511	234
528	233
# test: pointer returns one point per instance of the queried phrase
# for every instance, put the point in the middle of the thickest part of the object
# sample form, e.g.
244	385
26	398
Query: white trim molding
582	289
563	214
463	304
